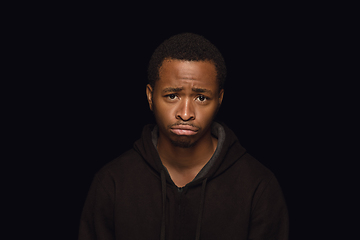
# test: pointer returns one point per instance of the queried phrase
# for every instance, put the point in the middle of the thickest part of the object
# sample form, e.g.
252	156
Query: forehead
178	72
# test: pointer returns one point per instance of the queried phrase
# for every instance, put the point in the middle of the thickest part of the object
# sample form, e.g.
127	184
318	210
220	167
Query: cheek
163	112
206	115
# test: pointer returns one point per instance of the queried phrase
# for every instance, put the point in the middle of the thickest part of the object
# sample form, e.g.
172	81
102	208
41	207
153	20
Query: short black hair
188	47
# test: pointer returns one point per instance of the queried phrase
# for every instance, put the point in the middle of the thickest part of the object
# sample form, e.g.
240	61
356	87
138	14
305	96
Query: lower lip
183	132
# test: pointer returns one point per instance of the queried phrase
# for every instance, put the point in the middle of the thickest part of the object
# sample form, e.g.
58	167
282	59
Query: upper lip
185	127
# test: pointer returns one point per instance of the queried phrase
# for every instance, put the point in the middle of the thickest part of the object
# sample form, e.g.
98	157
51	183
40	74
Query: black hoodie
233	197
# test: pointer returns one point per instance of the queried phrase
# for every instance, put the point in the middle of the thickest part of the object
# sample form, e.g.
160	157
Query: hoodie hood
233	197
227	154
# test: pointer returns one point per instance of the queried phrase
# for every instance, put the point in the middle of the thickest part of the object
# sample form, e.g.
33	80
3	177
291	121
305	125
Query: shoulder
257	179
253	170
125	163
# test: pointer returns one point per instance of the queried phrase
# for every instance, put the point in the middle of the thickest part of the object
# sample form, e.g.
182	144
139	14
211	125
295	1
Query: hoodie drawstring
163	188
202	199
198	227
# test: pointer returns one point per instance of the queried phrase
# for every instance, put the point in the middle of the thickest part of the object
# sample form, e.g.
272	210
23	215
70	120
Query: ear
221	96
149	93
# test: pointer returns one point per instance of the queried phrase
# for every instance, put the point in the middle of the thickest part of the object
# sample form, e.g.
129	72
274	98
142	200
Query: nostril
185	117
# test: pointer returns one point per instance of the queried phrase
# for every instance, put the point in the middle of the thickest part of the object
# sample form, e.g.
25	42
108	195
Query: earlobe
149	93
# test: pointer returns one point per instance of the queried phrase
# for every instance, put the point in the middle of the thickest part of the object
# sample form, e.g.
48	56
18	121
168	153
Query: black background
83	100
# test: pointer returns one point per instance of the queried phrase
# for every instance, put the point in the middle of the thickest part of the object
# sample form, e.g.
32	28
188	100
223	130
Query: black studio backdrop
92	104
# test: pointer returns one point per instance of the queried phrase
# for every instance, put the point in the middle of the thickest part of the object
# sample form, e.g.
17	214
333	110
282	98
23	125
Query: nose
185	110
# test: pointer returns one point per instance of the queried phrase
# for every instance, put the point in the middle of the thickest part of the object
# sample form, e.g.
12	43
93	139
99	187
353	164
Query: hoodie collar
227	151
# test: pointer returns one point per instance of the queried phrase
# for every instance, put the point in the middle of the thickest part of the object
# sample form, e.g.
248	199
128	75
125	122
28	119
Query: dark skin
185	101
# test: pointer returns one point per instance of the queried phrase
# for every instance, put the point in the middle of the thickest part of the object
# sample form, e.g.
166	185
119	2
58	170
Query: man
188	177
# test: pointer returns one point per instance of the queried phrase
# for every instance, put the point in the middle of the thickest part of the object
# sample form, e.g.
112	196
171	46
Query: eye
171	96
201	98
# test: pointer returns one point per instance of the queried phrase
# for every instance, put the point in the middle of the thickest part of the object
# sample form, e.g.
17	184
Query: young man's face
185	100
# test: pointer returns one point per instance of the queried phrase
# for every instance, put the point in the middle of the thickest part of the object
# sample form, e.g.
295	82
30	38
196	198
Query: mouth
184	130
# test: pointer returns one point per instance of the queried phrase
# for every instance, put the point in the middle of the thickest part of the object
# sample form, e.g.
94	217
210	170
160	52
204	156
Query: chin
182	143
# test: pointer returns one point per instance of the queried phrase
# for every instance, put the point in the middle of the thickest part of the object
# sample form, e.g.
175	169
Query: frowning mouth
184	130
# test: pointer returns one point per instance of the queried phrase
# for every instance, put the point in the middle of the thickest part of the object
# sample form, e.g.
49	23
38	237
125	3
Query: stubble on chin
182	143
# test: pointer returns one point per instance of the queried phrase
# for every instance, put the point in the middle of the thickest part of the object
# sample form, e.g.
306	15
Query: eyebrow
179	89
202	90
172	89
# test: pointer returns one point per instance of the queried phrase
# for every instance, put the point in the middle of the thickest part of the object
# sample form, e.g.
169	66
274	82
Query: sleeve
269	216
97	219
